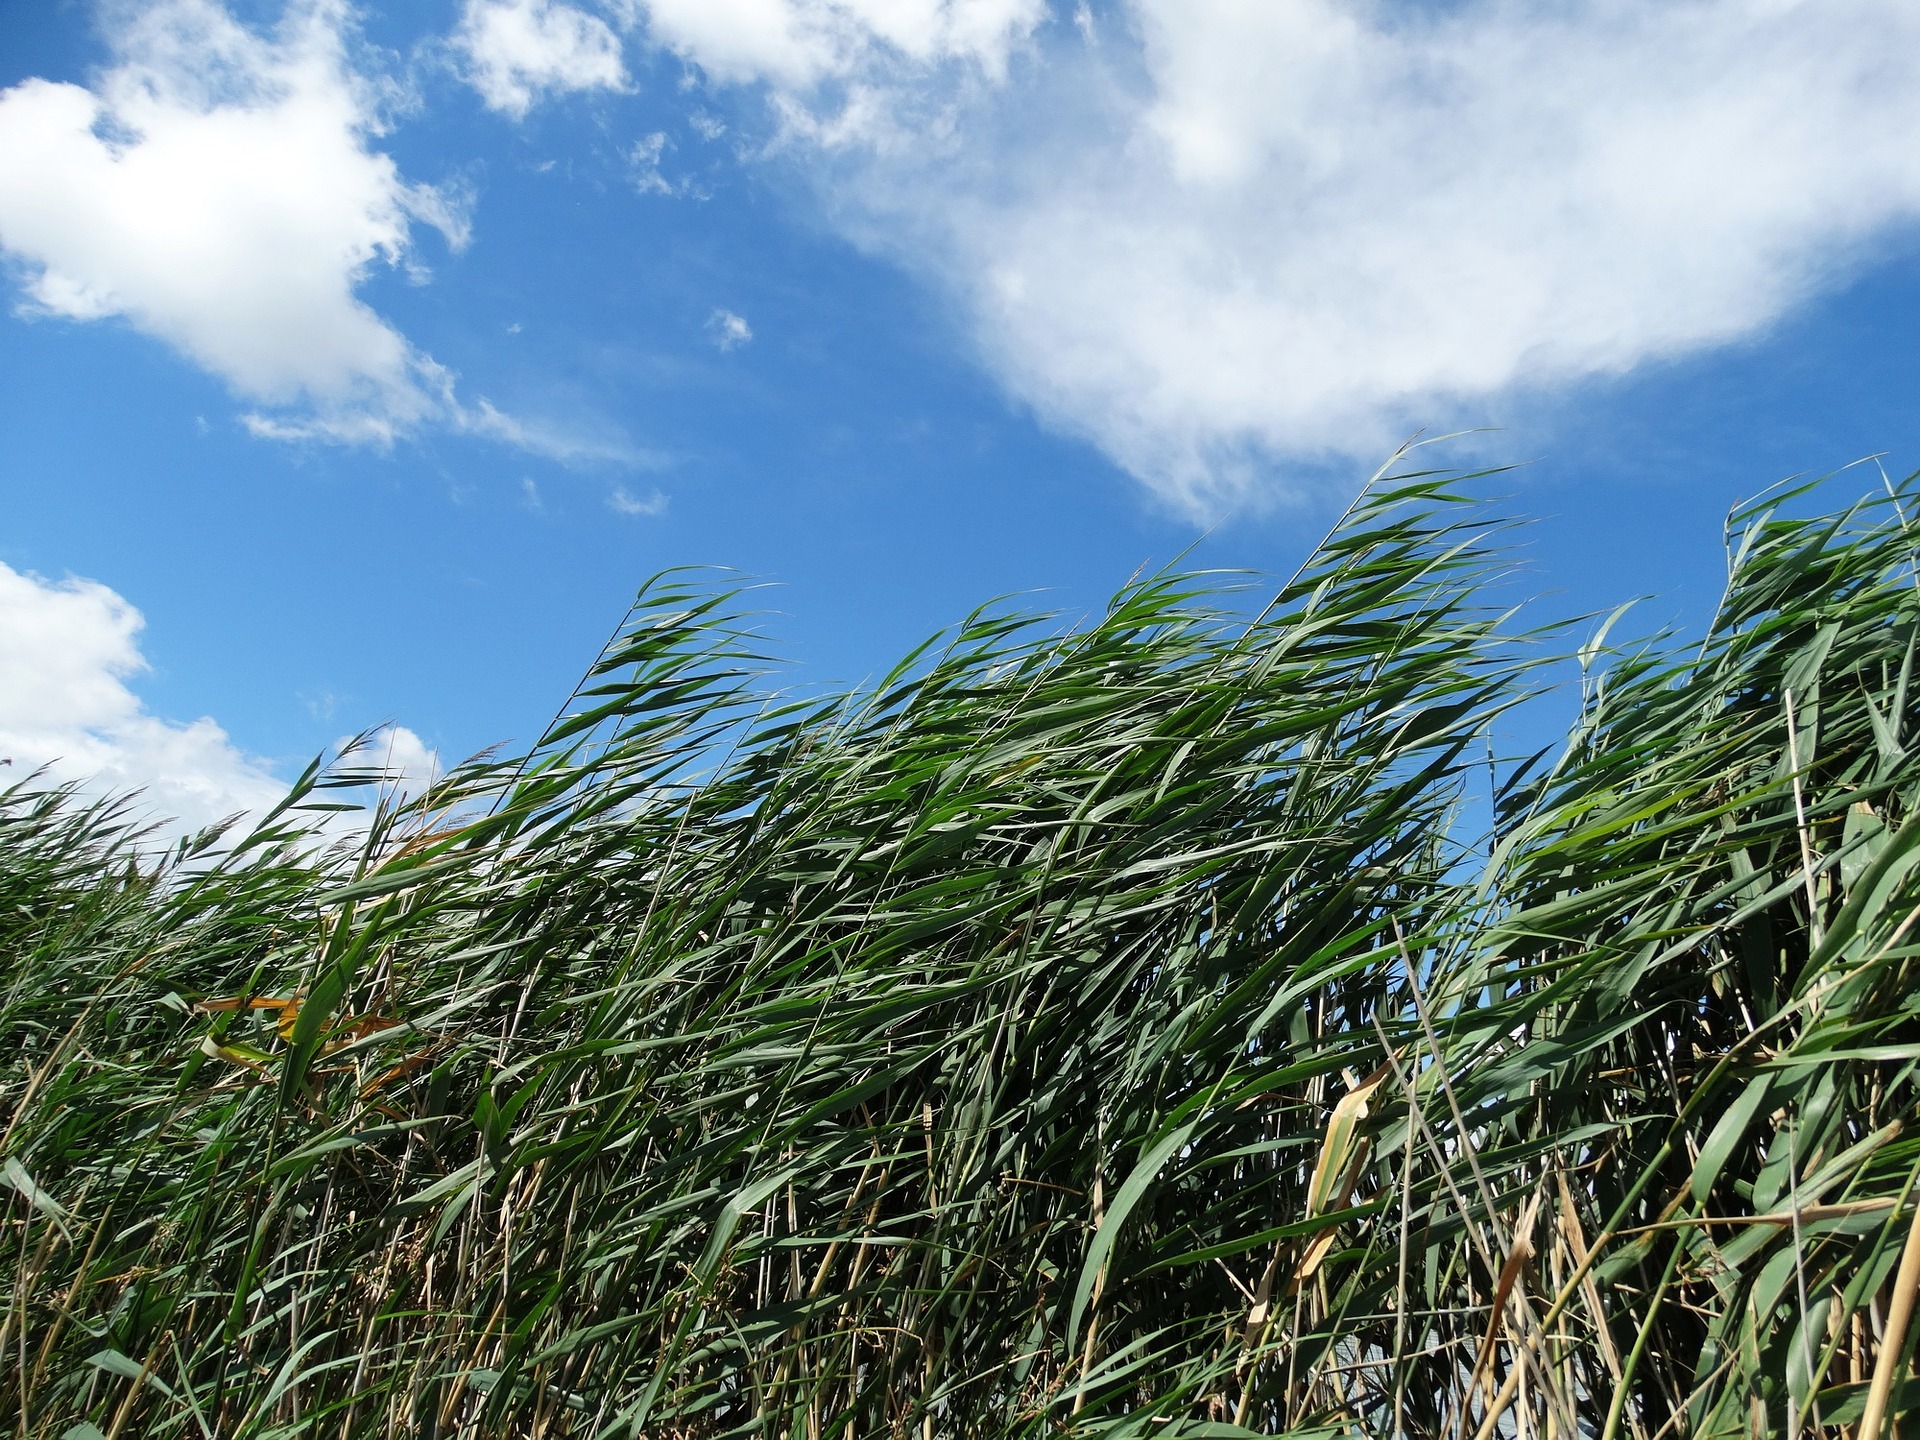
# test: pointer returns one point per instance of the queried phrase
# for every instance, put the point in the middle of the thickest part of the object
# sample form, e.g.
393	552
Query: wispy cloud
644	158
570	445
801	43
652	503
1229	237
728	331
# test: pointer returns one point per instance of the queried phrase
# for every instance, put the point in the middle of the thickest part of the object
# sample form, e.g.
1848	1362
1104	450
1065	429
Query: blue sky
373	355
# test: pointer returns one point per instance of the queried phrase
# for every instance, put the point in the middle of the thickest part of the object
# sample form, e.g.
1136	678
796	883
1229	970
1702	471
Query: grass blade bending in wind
1119	1030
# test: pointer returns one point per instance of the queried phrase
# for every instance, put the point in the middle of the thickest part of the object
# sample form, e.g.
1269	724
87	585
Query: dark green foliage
1119	1031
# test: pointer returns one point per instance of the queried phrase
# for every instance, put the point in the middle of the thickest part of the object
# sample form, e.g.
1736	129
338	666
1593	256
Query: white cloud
652	503
645	160
800	43
404	763
518	51
67	649
569	443
728	331
1228	237
648	176
216	189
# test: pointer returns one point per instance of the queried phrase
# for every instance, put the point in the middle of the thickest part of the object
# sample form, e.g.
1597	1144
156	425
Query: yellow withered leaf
1333	1171
1343	1155
247	1002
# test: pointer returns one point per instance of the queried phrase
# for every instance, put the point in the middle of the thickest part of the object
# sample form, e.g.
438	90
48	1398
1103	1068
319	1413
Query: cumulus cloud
217	189
67	650
1218	238
518	51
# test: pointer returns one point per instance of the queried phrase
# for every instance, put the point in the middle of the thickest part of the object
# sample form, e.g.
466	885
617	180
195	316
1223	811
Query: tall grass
1126	1031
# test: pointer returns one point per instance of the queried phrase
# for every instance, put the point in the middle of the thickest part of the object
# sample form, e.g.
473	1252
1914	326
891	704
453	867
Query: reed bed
1179	1025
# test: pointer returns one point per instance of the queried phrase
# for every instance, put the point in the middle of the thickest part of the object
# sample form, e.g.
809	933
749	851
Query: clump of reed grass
1126	1031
